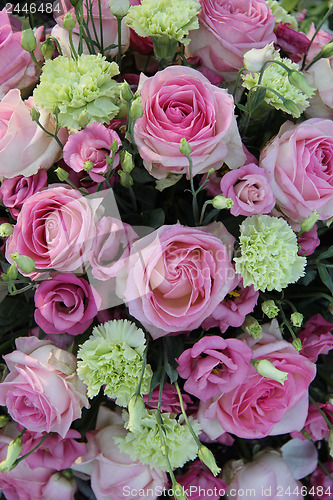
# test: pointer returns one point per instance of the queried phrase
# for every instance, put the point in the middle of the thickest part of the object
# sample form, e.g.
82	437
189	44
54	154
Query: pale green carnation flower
268	253
281	14
113	356
167	18
82	90
146	444
276	77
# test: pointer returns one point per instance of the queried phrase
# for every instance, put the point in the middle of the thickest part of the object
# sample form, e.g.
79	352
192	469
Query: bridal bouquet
166	282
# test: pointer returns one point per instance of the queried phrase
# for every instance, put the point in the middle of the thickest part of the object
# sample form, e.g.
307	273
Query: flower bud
62	174
11	274
178	492
268	370
185	148
297	343
125	179
13	451
207	457
23	262
35	115
88	165
292	108
119	8
127	164
296	78
69	22
136	110
126	92
164	47
28	40
6	230
252	327
47	49
220	202
327	50
4	420
135	408
308	223
114	146
254	59
296	319
270	308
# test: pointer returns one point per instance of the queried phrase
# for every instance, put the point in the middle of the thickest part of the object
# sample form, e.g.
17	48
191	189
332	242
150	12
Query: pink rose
261	406
315	424
17	69
233	308
179	102
316	337
200	484
299	165
228	29
293	44
55	228
170	400
42	391
249	189
92	144
214	366
14	192
24	147
176	277
65	304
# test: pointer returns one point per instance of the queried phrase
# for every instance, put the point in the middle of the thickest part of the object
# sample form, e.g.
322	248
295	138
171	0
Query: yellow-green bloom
268	253
113	357
148	447
82	89
164	18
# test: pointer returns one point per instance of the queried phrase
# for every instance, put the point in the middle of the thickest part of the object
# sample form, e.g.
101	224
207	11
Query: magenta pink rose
55	228
24	146
316	337
92	144
42	391
200	484
249	189
14	192
179	102
214	365
299	165
176	276
65	304
228	29
170	400
315	424
17	69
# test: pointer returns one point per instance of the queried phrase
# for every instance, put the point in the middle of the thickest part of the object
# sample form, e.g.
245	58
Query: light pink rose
214	365
261	406
170	400
176	277
93	144
65	304
14	192
55	228
316	337
199	483
179	102
249	189
42	391
24	146
315	424
299	165
17	69
228	29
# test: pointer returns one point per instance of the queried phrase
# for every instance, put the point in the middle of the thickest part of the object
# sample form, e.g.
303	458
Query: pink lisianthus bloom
293	44
170	400
308	241
179	102
214	365
249	189
262	406
228	29
200	484
316	337
299	165
91	144
42	391
65	304
176	276
321	485
17	69
55	228
233	308
315	424
14	192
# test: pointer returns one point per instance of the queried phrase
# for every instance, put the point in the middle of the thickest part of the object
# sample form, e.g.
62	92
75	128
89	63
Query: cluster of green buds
127	166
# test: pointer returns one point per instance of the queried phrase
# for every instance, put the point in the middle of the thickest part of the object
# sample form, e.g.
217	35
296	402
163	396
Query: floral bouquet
166	289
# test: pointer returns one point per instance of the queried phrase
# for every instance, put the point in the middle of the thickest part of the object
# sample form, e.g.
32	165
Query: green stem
239	74
33	449
55	136
286	322
119	45
195	207
72	45
205	205
195	437
33	57
321	413
57	44
101	27
314	36
21	290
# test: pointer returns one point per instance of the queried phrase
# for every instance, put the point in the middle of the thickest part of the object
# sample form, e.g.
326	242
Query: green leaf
325	276
171	372
289	5
141	175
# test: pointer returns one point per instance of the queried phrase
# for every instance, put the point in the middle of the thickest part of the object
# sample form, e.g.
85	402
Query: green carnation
281	14
82	90
113	357
164	18
268	253
147	445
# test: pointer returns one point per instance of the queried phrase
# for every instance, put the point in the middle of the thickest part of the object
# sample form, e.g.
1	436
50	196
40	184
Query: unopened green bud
61	174
178	492
13	451
4	420
35	115
127	164
6	230
47	49
184	147
220	202
126	92
211	171
12	272
207	457
297	79
87	166
270	308
119	8
308	223
69	22
135	408
125	179
296	319
136	110
268	370
292	108
114	146
327	50
164	47
28	40
328	222
252	327
297	343
23	262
